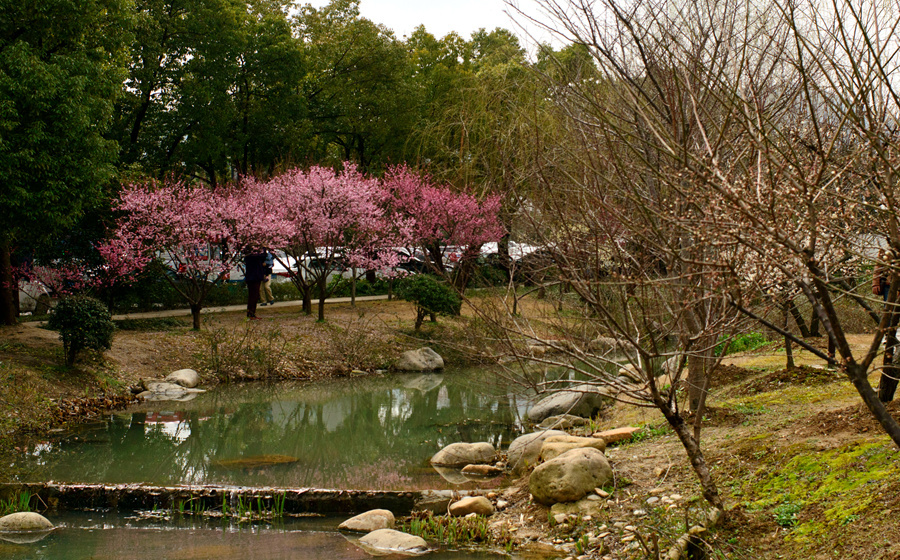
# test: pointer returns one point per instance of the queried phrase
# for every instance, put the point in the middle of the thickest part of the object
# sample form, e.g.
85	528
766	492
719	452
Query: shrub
343	287
429	296
83	323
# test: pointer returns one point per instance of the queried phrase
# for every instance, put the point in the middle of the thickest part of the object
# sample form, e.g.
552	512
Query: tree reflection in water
363	433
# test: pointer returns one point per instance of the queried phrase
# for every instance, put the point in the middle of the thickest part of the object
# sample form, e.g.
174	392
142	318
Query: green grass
446	530
153	324
742	343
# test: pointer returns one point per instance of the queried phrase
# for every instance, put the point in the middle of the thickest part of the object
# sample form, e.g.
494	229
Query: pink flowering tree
443	217
198	234
331	221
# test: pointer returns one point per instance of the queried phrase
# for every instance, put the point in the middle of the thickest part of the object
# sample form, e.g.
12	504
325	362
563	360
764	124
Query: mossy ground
805	471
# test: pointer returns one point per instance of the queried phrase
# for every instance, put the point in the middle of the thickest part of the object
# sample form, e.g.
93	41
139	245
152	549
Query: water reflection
369	433
98	536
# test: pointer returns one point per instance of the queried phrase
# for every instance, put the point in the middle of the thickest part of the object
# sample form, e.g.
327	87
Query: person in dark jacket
265	289
254	272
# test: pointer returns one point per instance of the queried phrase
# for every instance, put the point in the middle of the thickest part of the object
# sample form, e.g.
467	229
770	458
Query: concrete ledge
132	497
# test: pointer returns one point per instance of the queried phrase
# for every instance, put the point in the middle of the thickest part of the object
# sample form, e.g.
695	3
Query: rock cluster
178	386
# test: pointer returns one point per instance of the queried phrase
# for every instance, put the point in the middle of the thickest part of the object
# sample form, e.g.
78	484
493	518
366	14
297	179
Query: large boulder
24	521
525	451
369	521
555	446
569	477
462	454
386	541
479	505
579	400
423	359
184	377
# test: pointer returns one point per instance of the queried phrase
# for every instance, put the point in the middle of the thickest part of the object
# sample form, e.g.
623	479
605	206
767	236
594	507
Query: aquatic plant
20	501
447	530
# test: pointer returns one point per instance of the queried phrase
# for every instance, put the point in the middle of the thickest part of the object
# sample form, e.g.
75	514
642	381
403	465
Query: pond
105	536
364	433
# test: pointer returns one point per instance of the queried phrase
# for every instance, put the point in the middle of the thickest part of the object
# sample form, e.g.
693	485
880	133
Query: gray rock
24	521
184	377
385	541
630	372
563	422
435	501
165	391
479	505
579	400
462	454
525	451
569	477
369	521
423	359
670	366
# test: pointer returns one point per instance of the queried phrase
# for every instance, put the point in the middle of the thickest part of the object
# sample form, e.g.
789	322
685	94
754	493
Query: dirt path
228	308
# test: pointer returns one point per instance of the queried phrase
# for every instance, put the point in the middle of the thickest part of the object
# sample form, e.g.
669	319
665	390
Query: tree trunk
353	288
696	380
695	455
788	348
322	288
890	373
465	267
798	319
814	324
306	294
861	382
9	289
420	317
195	315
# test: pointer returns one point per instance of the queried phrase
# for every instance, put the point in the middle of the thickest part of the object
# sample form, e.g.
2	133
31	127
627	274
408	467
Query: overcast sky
440	17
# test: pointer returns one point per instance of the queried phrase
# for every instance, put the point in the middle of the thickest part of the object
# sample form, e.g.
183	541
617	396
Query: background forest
100	93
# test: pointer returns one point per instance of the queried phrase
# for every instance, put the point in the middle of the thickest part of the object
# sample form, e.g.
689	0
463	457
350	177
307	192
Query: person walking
265	289
253	276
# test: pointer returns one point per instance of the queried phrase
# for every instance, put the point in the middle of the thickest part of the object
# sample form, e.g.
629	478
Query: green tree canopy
61	68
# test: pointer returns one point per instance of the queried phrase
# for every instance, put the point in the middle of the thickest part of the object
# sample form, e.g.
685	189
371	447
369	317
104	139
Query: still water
366	433
97	536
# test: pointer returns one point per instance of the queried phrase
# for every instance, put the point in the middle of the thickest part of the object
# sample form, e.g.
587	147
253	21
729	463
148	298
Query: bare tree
619	210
